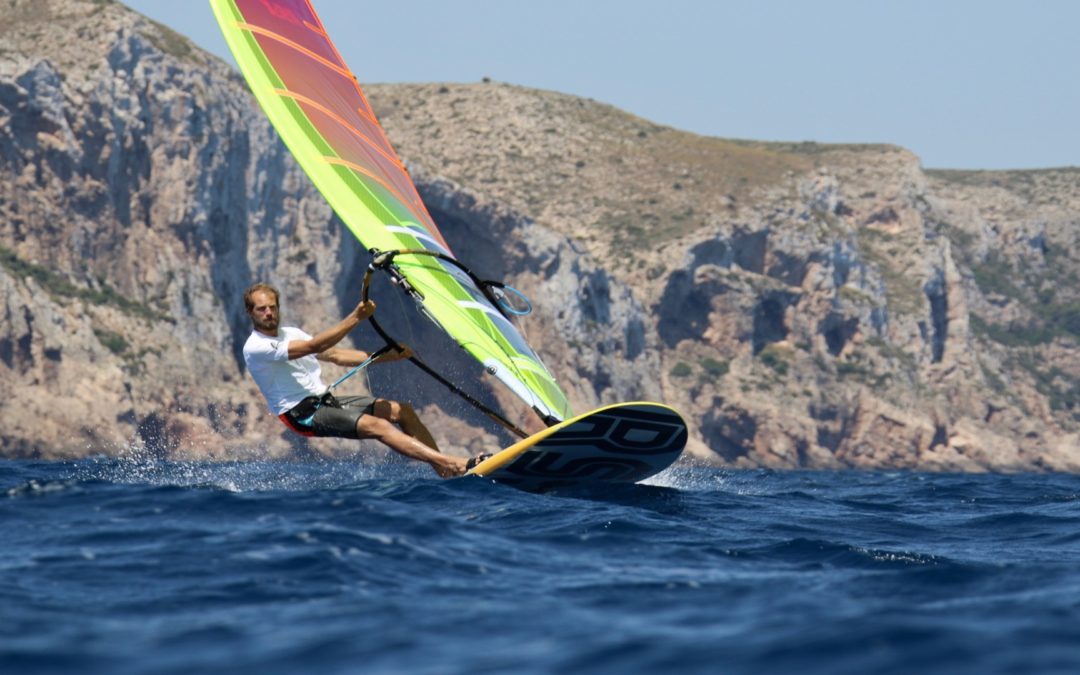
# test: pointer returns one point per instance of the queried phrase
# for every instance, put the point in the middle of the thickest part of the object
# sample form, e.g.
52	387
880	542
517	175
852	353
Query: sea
144	566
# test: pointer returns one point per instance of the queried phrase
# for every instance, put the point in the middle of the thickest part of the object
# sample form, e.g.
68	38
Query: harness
301	417
304	411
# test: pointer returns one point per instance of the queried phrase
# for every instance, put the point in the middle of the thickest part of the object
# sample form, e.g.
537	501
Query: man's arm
353	357
331	336
341	356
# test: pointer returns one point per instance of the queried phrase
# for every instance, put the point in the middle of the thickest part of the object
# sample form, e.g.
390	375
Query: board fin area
621	443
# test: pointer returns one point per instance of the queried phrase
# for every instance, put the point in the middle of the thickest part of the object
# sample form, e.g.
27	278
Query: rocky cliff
804	305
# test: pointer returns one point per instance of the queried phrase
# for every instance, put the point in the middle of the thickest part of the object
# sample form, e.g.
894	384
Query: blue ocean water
117	566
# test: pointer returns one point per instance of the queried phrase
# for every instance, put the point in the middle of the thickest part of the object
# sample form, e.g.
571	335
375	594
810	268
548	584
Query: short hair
249	301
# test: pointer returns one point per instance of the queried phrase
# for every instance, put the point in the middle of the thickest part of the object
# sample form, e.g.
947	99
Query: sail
318	108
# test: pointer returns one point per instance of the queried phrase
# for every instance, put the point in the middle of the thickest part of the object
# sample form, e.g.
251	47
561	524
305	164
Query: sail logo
280	12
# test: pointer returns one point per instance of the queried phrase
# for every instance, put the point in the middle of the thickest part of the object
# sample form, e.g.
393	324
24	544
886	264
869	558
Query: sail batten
293	45
304	100
321	113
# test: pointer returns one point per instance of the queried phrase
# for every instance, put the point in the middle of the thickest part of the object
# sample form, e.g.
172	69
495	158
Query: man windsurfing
284	361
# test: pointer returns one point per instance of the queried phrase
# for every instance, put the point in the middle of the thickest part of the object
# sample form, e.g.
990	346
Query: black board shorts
328	416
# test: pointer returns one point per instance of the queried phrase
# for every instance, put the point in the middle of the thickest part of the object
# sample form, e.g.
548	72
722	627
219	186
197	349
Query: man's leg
404	415
372	426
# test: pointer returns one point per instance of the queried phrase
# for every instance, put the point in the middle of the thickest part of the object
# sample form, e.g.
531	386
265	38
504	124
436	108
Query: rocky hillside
804	305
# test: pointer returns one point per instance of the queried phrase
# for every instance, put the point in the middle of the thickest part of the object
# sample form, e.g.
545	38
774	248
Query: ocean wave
136	566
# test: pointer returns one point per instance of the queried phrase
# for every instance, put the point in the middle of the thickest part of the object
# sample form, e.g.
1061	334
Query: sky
964	84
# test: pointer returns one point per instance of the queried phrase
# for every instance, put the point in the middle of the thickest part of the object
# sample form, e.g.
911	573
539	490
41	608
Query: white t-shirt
283	383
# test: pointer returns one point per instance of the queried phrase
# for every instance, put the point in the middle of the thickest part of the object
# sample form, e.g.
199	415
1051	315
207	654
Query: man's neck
267	333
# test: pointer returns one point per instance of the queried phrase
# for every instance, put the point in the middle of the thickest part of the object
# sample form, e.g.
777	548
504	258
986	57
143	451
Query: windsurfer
284	361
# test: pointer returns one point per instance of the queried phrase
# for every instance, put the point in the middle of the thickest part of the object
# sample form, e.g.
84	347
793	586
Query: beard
268	324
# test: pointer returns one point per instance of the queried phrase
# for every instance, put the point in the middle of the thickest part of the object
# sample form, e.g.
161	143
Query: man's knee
406	412
387	409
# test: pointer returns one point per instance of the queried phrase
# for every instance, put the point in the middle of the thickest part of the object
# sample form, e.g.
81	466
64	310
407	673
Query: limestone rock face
805	306
141	195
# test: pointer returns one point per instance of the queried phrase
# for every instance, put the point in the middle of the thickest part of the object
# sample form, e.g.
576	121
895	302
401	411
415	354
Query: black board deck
622	443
